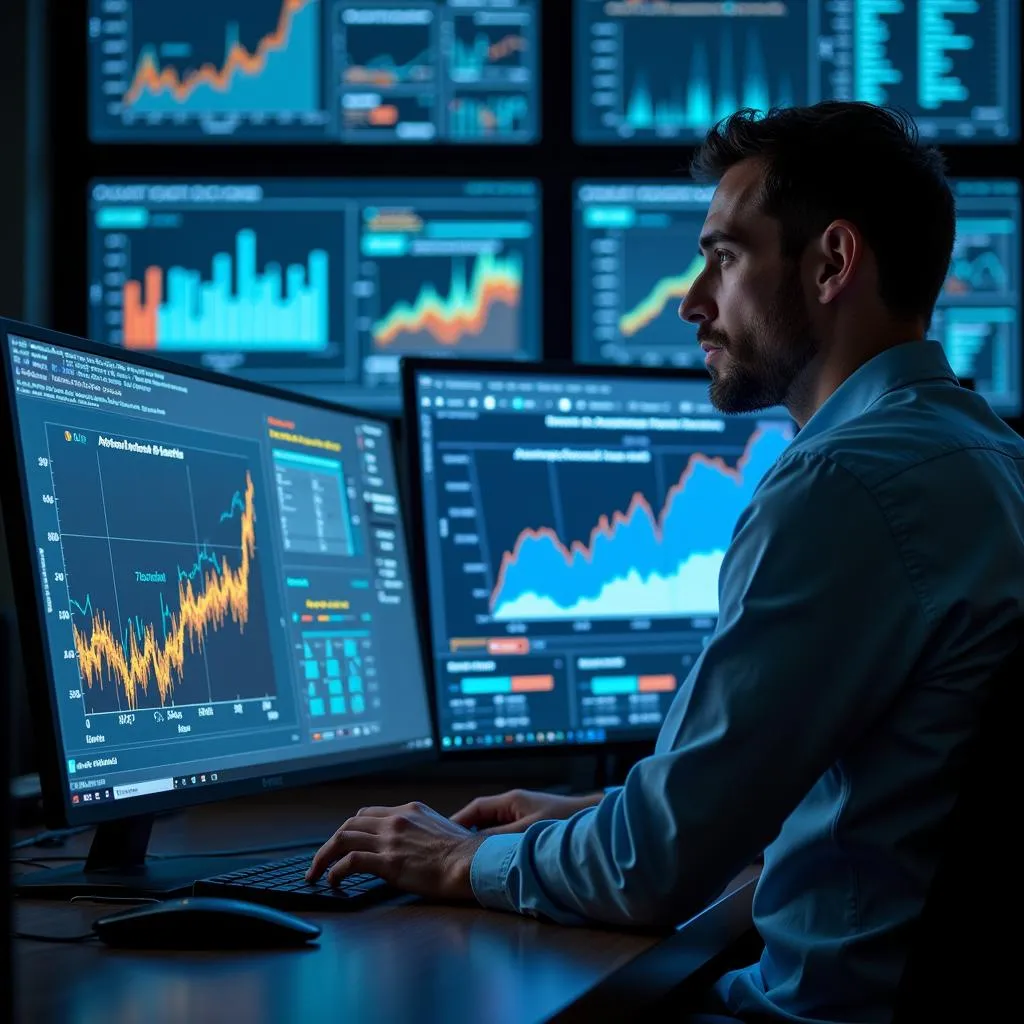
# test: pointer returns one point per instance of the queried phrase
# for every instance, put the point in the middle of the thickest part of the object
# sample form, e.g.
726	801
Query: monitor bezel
31	625
411	368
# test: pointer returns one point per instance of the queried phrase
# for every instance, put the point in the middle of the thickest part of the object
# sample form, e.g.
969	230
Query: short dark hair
856	161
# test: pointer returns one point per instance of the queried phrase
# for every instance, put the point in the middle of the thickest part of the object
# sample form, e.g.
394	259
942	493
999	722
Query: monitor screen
321	285
652	71
574	523
978	315
636	256
220	576
329	71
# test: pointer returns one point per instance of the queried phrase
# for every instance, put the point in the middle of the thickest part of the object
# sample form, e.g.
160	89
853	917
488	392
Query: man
871	589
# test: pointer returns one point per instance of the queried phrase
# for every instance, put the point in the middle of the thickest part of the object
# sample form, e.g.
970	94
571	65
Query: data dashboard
574	528
280	71
636	256
318	284
222	576
651	71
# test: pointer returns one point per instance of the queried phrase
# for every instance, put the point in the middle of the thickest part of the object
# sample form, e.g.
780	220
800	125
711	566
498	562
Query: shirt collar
913	362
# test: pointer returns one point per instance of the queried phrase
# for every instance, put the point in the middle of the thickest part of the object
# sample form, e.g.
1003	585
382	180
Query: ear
838	255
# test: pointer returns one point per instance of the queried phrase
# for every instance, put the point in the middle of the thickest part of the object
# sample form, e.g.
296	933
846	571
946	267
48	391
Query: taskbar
547	738
104	791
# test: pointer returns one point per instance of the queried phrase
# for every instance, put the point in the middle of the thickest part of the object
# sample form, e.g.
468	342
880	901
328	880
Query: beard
763	360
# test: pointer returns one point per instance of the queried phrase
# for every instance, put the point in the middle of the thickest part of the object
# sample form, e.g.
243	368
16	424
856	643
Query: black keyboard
282	884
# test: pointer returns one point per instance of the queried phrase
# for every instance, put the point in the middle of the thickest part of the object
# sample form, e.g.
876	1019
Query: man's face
748	303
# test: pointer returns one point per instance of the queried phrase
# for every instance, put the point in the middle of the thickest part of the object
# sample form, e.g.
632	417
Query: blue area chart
638	564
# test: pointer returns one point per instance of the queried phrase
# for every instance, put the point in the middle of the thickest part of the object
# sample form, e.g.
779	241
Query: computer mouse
204	922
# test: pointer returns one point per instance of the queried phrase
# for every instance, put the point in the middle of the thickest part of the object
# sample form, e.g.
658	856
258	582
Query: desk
400	961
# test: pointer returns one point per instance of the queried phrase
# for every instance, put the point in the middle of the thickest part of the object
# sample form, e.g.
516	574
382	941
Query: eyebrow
712	238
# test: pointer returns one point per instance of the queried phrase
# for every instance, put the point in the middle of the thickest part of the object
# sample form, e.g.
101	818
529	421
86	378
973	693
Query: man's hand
517	809
411	847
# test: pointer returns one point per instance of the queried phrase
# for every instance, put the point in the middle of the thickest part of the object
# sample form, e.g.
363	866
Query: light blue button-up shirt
871	588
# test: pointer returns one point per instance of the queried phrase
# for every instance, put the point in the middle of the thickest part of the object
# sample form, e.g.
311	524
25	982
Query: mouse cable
54	938
85	936
54	837
244	851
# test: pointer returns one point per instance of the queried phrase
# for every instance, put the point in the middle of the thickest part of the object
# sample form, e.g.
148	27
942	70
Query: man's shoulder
886	442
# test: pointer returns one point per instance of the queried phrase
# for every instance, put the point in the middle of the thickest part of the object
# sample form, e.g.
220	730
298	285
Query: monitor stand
117	866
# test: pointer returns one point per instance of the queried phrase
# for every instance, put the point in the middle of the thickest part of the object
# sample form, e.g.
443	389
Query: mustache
713	337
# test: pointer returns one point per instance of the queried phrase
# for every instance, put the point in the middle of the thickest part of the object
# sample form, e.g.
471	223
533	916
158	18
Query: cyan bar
487	684
122	217
316	706
385	245
312	670
984	226
332	667
606	686
609	216
334	687
338	706
309	461
479	229
335	633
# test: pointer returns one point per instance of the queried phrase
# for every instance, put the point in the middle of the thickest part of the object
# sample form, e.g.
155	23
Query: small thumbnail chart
328	71
340	675
636	256
455	281
978	315
667	70
160	560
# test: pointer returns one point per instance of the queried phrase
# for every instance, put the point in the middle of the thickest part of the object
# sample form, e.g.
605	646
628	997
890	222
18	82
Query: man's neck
837	362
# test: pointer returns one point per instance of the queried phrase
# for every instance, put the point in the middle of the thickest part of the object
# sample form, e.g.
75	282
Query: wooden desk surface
400	961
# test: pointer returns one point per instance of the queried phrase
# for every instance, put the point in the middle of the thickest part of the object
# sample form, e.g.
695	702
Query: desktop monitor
371	72
664	71
635	248
320	285
574	520
214	594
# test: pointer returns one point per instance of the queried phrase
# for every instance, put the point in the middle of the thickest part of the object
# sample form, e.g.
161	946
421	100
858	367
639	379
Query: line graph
280	73
159	547
674	287
639	562
476	311
470	57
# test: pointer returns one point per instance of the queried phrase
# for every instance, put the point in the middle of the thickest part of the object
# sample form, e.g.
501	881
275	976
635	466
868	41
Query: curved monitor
213	582
574	520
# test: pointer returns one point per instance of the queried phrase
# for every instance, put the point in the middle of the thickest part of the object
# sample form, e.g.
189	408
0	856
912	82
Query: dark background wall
46	162
24	244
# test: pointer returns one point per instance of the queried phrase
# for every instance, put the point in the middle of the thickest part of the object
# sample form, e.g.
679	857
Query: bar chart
282	307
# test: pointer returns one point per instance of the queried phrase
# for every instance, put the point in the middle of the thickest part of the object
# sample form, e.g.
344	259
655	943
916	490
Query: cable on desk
244	851
255	851
49	837
54	938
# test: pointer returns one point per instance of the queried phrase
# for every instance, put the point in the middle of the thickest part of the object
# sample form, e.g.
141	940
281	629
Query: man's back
850	867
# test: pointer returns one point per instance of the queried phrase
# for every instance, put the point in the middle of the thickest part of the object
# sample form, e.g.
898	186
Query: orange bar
140	316
657	684
385	115
508	645
532	684
460	643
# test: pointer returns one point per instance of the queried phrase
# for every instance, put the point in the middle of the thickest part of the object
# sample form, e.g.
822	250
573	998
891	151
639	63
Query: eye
723	256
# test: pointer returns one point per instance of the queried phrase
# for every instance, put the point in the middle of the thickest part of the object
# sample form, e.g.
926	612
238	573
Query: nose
696	306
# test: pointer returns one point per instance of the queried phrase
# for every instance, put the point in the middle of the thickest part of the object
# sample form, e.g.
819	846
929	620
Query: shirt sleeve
819	626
